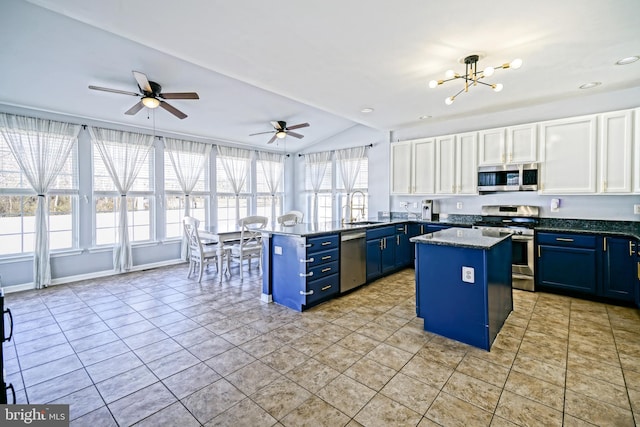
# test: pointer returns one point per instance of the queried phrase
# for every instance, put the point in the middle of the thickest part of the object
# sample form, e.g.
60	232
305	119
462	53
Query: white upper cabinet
413	167
424	166
636	152
401	181
492	149
615	160
467	163
568	154
457	164
522	144
515	144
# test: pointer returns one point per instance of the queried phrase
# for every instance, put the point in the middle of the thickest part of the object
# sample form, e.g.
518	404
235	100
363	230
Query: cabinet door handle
421	229
385	243
325	257
604	244
327	287
381	247
638	270
307	245
539	251
309	274
397	240
306	260
306	293
631	247
326	243
564	239
324	270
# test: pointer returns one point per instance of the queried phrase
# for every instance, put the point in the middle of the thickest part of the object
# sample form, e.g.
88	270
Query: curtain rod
333	151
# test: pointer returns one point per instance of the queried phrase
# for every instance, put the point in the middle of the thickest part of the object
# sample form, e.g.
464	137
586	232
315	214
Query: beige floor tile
598	389
252	377
230	361
312	375
483	370
245	412
359	343
540	369
284	359
408	339
497	421
442	352
346	394
427	371
410	392
571	421
315	412
526	412
310	344
535	389
602	371
448	410
632	378
338	357
332	332
596	411
497	355
280	397
390	356
384	412
473	390
370	373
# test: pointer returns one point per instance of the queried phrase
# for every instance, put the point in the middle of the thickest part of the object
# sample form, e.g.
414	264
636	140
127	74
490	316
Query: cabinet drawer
322	270
562	239
376	233
323	257
322	243
322	288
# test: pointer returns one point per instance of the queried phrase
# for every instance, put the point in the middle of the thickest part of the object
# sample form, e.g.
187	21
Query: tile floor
155	349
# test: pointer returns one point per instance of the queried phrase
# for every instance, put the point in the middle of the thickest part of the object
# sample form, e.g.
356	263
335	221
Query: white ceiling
320	62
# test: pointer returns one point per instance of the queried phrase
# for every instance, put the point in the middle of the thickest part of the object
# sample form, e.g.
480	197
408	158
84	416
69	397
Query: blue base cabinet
619	279
304	271
381	251
404	253
472	313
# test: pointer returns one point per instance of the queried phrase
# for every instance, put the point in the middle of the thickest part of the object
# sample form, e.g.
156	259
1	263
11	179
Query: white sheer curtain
41	148
349	161
316	164
272	165
123	154
236	162
188	159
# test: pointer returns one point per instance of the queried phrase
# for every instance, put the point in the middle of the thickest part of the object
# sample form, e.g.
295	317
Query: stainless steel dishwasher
353	260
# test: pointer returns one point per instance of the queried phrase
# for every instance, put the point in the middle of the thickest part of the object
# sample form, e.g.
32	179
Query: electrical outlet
415	204
468	275
636	209
404	204
459	205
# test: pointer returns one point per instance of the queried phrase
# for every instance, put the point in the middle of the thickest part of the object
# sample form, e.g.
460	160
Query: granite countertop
613	228
463	237
311	229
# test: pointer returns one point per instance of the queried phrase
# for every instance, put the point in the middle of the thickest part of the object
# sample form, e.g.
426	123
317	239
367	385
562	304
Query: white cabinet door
424	166
636	152
401	167
522	144
446	164
492	147
615	161
568	156
467	163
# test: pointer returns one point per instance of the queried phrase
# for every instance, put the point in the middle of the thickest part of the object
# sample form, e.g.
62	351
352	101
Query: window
227	211
233	173
140	203
269	176
175	199
325	188
360	206
18	206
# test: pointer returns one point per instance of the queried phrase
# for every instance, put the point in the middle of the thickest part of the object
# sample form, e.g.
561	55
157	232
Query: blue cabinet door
374	259
388	254
619	278
567	268
404	256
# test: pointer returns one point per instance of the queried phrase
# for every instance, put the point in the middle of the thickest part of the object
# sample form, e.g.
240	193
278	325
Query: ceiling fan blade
143	81
133	110
261	133
276	125
301	125
273	138
179	95
173	110
106	89
295	135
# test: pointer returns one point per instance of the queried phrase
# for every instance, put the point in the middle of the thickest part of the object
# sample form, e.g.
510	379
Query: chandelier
472	77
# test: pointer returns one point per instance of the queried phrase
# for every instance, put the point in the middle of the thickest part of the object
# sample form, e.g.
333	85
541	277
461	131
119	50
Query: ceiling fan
281	130
151	96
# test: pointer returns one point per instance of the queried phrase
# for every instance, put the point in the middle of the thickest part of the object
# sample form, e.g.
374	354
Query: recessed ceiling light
424	117
590	85
628	60
367	110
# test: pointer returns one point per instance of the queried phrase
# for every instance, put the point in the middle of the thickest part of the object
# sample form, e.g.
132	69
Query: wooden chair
199	254
250	245
288	219
298	215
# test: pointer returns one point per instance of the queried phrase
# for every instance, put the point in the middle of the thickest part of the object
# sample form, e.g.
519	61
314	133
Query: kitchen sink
364	222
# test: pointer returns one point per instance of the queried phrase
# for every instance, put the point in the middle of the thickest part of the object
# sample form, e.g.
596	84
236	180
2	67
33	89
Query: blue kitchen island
463	283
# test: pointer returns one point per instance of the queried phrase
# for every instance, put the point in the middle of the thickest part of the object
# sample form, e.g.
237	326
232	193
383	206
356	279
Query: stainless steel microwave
520	177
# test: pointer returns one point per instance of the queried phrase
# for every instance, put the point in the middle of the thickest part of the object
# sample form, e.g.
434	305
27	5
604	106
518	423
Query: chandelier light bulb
433	83
516	63
449	100
497	87
150	102
488	72
450	74
281	134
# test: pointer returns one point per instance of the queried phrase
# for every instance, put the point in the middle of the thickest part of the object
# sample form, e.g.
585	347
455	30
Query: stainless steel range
520	220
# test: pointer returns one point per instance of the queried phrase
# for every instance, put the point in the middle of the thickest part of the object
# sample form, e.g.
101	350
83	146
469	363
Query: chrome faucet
361	207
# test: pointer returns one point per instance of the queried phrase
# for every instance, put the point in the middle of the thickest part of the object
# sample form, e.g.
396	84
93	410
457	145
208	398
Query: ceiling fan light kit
472	77
151	96
281	130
